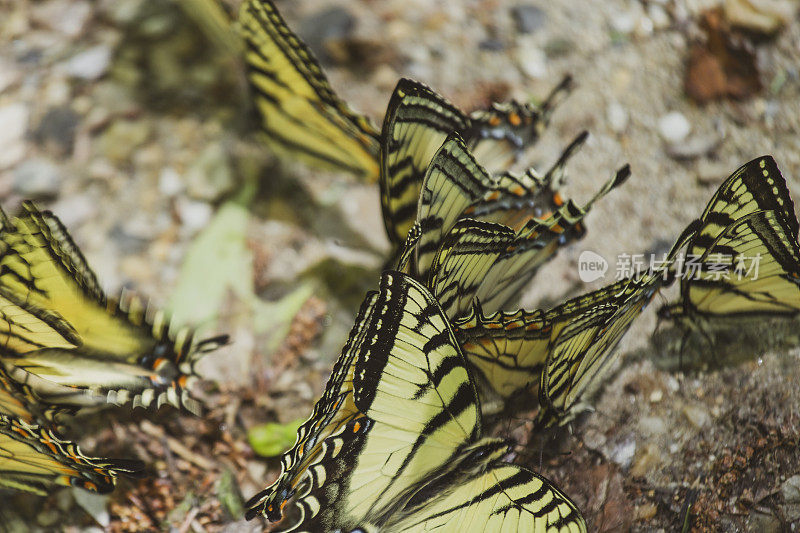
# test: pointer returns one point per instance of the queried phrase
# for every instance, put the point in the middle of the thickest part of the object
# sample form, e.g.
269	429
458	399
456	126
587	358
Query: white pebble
623	453
14	120
674	127
617	117
170	182
532	60
90	64
194	215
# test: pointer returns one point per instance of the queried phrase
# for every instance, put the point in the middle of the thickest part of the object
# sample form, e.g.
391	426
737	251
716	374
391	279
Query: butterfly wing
35	459
752	268
417	123
301	115
63	330
507	349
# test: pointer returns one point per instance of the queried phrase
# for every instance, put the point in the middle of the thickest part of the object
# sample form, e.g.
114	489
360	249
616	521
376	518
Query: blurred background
137	130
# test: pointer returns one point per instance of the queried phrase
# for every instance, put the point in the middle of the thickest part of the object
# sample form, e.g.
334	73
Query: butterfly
461	258
567	349
61	335
744	259
395	442
301	115
418	121
34	458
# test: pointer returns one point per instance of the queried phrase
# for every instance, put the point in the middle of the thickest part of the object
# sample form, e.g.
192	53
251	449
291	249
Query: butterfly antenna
556	96
555	177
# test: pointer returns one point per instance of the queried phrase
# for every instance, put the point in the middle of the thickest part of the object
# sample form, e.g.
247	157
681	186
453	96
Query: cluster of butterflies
396	442
65	348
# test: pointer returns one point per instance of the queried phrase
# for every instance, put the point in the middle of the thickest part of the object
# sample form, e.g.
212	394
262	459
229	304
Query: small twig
187	522
177	447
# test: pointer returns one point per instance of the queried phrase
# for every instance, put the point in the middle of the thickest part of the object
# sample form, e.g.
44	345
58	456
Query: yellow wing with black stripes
508	350
33	458
744	258
492	496
301	115
753	267
63	337
417	123
413	430
585	332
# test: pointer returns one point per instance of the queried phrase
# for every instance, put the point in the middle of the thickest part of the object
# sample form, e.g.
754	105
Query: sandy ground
134	129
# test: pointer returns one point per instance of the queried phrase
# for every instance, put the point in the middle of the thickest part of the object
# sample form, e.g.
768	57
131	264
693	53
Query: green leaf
217	261
271	440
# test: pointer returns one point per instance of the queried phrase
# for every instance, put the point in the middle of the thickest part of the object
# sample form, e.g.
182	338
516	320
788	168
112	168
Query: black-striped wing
333	414
508	350
453	181
581	354
35	459
301	115
494	496
62	331
516	199
466	255
585	332
537	243
416	420
753	267
417	123
755	186
496	136
409	402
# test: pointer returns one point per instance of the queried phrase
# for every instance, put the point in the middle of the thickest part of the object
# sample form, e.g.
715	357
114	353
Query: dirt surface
137	131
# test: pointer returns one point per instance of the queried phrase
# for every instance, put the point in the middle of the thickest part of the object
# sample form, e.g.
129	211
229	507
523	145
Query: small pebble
37	178
617	117
66	16
697	415
658	16
649	458
594	439
9	74
656	396
652	425
674	127
123	137
90	64
57	129
170	182
210	177
14	118
532	60
528	18
624	22
75	209
194	215
711	172
623	453
332	24
791	489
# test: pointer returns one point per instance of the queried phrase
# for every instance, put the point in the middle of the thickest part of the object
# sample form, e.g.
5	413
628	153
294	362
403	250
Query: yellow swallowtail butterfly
395	442
417	123
62	336
744	259
33	458
301	115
